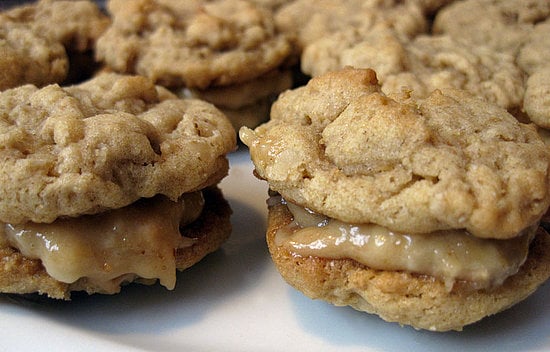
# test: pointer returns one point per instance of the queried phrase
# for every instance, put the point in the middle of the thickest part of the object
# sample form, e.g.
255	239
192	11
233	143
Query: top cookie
194	43
341	148
38	40
26	57
74	24
103	144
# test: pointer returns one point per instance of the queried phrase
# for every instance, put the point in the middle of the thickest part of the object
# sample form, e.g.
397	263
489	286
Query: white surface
235	300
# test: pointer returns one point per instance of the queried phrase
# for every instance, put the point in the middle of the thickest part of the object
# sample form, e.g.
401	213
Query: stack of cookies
423	211
107	181
415	191
228	52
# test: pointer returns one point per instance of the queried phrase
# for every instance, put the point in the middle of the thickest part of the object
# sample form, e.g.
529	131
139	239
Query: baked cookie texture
48	41
74	24
305	21
26	57
115	149
193	44
420	65
341	148
519	28
405	298
103	144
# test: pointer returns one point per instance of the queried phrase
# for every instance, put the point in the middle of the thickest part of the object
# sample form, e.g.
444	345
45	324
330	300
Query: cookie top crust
103	144
194	43
74	24
26	57
308	20
340	147
421	64
503	25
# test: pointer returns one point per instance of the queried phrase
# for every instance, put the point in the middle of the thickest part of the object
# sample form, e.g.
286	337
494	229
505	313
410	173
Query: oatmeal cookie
57	44
341	148
26	57
420	65
103	144
195	44
74	24
308	20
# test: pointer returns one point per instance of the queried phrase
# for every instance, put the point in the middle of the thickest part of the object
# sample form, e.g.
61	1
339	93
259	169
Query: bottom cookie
22	275
420	301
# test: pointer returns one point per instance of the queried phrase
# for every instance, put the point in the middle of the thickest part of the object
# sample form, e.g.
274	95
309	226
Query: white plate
235	300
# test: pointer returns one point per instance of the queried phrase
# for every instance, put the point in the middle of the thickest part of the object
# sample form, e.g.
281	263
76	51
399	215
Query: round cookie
406	298
341	148
74	24
21	275
195	44
49	41
420	65
104	144
26	57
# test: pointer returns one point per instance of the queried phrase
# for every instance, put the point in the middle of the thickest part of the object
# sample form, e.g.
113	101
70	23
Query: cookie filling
107	248
450	255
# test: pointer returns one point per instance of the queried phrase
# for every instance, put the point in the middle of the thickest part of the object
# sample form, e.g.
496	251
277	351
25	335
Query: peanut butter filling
450	255
107	248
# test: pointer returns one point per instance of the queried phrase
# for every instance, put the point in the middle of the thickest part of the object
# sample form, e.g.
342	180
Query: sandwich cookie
106	182
423	211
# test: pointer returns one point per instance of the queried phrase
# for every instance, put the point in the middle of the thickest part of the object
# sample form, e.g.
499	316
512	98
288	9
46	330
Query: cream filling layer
110	247
447	255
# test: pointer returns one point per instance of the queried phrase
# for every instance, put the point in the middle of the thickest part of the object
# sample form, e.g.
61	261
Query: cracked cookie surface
195	44
103	144
341	148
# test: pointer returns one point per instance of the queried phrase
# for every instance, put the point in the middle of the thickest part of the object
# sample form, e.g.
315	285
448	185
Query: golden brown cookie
341	148
308	20
423	211
194	44
108	182
26	57
74	24
104	144
56	46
